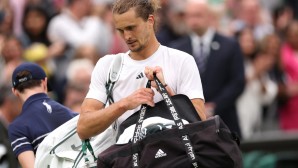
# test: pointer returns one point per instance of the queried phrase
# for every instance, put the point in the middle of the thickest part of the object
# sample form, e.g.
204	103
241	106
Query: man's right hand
140	96
94	118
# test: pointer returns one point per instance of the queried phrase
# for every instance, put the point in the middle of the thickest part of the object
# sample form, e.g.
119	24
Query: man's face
85	6
197	17
134	30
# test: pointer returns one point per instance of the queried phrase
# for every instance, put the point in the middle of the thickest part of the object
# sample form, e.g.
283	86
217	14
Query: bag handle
178	122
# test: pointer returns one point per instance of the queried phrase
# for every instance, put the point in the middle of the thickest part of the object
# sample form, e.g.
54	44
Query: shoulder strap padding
116	68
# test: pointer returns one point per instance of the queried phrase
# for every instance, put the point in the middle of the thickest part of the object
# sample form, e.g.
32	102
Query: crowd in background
67	37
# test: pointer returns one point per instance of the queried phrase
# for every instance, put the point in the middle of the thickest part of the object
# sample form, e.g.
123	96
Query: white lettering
185	137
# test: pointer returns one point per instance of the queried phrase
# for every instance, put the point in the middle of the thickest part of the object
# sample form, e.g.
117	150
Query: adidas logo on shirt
141	75
160	154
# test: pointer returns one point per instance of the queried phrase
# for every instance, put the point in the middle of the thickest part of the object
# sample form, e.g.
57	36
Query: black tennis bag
201	144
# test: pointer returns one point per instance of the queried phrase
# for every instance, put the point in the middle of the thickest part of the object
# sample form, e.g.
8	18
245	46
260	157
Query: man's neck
201	33
146	52
29	92
75	14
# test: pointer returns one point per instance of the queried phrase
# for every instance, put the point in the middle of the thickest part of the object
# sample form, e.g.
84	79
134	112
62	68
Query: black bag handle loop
178	122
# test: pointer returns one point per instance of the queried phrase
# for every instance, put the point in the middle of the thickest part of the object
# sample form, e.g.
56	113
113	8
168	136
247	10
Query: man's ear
151	20
15	92
44	84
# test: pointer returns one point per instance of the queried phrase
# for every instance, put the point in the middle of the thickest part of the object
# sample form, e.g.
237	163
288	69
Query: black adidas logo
141	75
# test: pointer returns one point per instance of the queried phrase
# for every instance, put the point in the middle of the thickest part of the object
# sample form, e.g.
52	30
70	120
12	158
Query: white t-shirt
179	69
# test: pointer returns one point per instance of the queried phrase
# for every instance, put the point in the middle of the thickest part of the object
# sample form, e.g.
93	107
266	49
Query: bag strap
178	122
112	78
66	137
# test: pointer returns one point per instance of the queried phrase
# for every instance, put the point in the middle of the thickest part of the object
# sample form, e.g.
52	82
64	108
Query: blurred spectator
79	71
51	7
75	27
103	9
17	7
78	79
38	53
227	15
253	15
10	108
173	25
74	96
219	60
87	52
282	16
12	56
271	45
35	24
58	5
294	5
249	45
259	90
6	19
289	53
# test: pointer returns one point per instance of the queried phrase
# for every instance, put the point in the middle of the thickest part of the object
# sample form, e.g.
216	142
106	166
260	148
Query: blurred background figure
10	105
10	108
11	56
293	4
87	52
103	10
282	16
259	90
289	54
219	60
251	14
35	24
172	24
6	18
78	77
75	27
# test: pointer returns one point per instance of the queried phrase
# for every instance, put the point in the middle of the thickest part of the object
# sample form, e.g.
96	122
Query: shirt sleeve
190	80
19	142
97	88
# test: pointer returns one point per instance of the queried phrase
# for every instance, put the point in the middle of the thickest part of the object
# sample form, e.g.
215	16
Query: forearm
94	118
200	108
92	123
27	159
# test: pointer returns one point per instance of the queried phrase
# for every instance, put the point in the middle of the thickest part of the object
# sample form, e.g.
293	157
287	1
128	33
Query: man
253	15
39	116
135	21
219	60
173	24
75	27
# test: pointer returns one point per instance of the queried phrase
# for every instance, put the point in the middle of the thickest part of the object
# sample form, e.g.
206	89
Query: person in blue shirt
39	116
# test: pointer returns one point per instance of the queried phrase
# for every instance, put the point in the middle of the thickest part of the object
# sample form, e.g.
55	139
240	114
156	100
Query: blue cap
35	73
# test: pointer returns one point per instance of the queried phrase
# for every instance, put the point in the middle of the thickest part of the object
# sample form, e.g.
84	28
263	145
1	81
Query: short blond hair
143	8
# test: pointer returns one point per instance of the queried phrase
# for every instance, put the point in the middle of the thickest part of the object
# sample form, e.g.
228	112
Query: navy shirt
40	115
